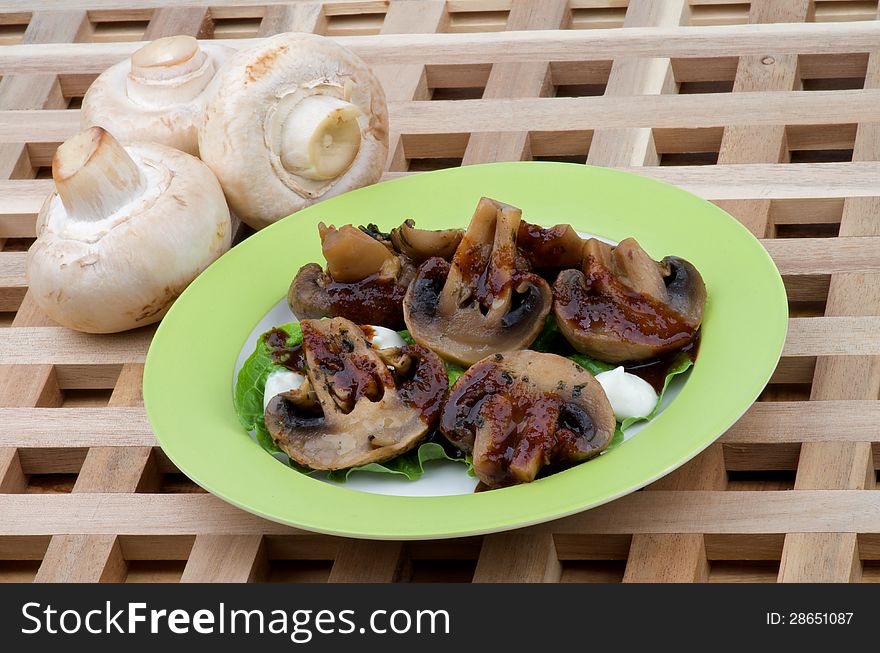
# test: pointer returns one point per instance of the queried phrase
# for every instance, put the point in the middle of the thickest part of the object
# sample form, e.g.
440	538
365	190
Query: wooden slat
747	141
92	557
225	559
546	114
522	557
293	17
835	465
98	558
403	83
512	80
12	478
627	146
807	511
497	47
38	90
20	200
813	421
168	21
765	422
363	561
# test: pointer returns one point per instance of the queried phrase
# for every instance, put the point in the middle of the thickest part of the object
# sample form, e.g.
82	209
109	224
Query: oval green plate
188	378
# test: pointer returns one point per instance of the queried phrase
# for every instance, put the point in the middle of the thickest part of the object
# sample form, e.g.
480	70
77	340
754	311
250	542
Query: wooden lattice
770	109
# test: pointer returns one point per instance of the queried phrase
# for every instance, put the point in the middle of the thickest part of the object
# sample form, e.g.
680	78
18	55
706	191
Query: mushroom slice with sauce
550	249
365	281
624	306
126	230
293	120
521	412
158	95
484	301
357	409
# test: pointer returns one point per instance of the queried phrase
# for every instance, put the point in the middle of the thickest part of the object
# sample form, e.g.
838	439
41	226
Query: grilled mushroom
624	306
353	409
419	245
482	303
550	249
364	281
520	412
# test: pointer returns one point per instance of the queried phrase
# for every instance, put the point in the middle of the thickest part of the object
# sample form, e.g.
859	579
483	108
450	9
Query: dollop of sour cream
629	395
382	338
281	381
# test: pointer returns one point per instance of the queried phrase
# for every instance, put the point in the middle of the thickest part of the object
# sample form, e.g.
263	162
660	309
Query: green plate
188	378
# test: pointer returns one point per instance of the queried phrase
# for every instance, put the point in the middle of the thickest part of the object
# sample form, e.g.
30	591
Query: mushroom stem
320	137
169	70
94	175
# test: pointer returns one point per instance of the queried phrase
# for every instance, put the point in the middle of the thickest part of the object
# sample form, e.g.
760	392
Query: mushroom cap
125	270
233	138
365	280
550	248
624	306
363	412
520	412
307	296
483	302
107	104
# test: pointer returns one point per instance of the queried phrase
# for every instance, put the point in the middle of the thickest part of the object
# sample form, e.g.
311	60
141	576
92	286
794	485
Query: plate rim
164	331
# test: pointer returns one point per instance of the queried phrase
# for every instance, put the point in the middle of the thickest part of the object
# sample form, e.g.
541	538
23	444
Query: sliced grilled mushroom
550	249
624	306
520	412
421	244
365	412
484	301
364	281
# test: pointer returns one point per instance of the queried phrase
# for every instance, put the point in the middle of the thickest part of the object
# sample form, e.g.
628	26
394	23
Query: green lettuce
410	464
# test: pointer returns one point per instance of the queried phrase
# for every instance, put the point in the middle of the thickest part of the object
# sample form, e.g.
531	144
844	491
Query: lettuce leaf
251	382
248	401
410	465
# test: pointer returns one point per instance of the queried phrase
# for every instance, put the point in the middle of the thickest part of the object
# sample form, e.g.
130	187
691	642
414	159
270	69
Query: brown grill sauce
603	304
293	358
369	301
655	371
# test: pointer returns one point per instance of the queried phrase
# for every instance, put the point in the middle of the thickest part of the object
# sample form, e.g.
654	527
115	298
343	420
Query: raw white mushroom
125	231
291	121
157	95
